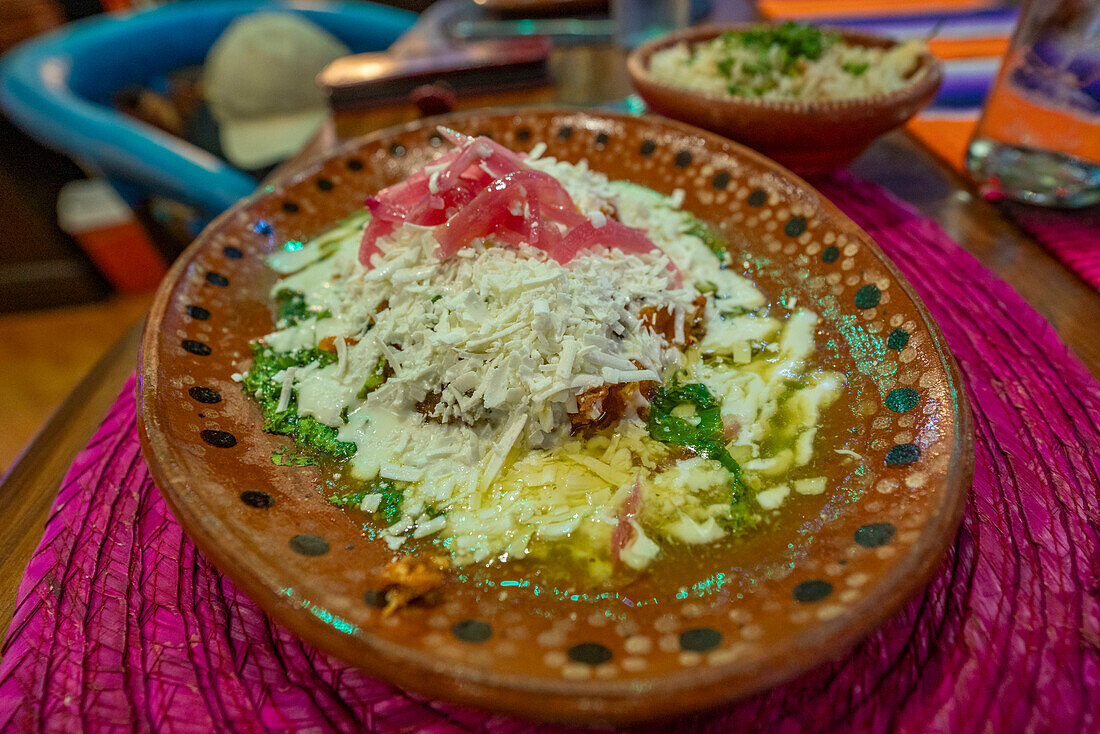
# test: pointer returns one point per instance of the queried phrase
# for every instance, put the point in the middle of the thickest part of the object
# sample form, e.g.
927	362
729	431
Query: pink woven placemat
1072	236
122	625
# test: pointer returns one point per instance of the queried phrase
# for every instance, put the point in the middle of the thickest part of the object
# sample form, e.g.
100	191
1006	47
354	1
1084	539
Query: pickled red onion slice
482	189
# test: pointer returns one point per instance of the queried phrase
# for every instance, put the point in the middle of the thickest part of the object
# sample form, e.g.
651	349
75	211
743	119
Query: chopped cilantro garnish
778	50
282	457
704	437
294	309
855	69
741	518
705	286
389	509
348	499
757	67
796	40
260	383
392	496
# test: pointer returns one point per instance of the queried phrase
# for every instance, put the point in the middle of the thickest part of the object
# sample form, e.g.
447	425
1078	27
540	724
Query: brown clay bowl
740	618
807	137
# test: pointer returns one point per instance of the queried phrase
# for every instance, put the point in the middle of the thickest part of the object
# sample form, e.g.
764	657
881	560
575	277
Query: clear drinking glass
1038	139
637	21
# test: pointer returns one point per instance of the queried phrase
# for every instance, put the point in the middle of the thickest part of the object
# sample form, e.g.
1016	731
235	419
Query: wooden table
585	76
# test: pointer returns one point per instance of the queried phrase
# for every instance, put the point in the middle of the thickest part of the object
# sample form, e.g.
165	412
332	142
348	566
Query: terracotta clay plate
819	577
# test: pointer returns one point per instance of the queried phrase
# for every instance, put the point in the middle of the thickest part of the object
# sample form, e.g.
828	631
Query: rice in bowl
787	62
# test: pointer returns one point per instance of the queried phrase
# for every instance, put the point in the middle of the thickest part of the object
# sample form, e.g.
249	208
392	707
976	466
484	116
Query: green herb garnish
742	518
392	496
703	437
348	499
705	286
758	67
260	383
778	49
282	457
390	506
854	68
294	309
795	40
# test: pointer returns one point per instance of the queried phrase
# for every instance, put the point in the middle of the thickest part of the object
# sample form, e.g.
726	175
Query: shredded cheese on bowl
513	356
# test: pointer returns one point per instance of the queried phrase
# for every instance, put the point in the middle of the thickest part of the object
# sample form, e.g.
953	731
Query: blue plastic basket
58	88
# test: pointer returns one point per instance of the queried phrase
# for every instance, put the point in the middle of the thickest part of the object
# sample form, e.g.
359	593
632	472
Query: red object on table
106	229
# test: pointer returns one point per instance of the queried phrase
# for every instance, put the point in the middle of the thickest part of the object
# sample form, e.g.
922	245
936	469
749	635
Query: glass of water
637	21
1038	139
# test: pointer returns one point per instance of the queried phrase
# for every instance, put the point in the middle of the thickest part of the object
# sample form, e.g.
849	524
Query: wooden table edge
28	488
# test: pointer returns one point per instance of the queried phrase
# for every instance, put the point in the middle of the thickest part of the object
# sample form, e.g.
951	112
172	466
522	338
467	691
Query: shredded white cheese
285	391
488	356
